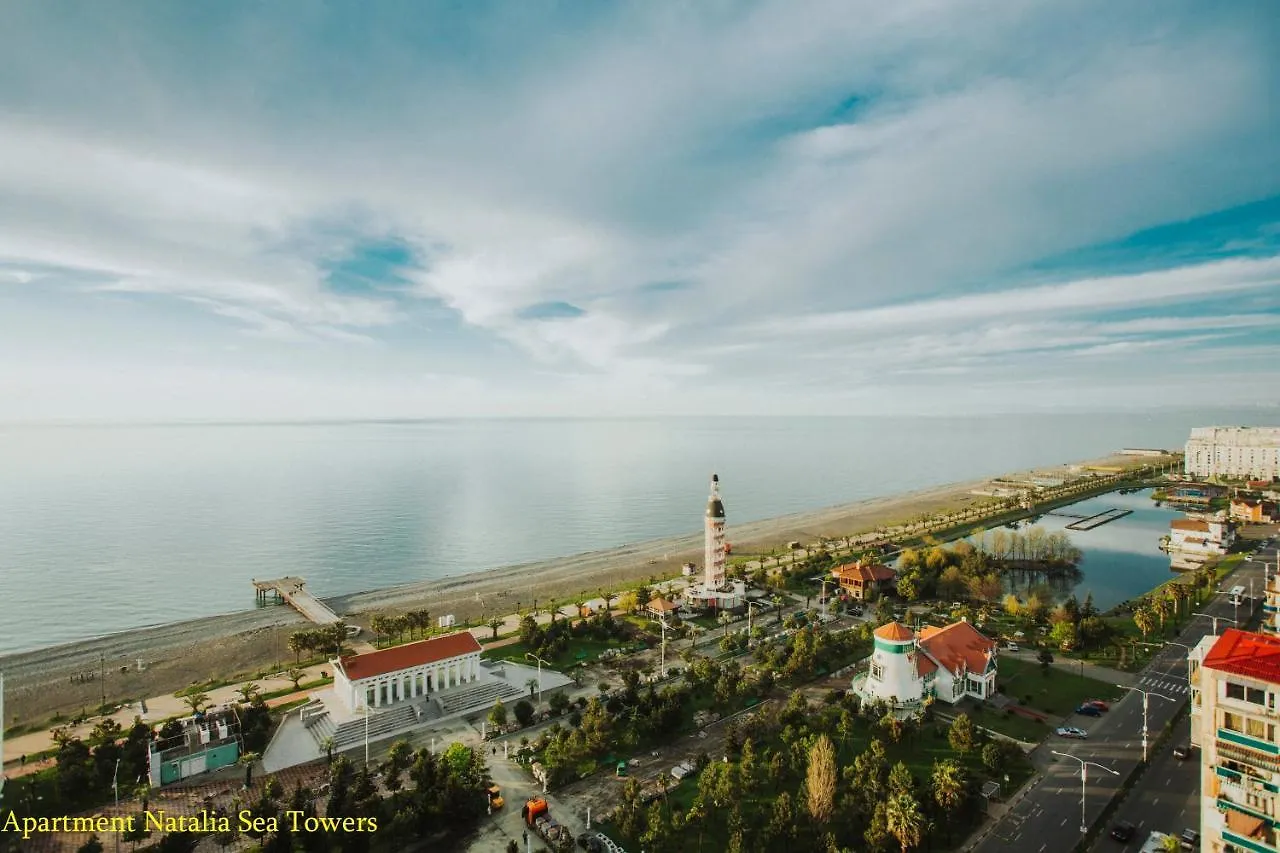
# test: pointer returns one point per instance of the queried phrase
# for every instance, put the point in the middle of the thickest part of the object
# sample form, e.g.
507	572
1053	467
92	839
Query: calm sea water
108	528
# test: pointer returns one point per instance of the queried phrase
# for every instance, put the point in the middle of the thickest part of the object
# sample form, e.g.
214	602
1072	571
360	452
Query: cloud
631	202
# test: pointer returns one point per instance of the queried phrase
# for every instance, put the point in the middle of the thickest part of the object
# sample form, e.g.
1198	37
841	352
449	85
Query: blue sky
293	210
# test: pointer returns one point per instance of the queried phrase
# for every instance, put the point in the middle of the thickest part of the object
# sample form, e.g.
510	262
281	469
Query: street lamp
1084	782
662	666
1216	620
750	604
1145	695
540	661
824	580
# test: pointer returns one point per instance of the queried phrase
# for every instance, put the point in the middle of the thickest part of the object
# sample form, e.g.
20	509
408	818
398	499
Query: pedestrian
22	761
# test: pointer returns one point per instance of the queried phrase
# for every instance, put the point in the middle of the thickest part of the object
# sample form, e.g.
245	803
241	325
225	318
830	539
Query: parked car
1013	647
1123	831
1189	839
1072	732
1089	711
1097	703
1182	752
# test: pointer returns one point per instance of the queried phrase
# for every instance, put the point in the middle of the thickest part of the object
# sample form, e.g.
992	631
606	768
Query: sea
111	527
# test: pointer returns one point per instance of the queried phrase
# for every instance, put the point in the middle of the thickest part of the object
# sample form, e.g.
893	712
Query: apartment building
1234	452
1235	679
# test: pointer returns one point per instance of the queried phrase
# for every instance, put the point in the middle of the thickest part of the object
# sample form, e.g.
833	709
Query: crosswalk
1162	684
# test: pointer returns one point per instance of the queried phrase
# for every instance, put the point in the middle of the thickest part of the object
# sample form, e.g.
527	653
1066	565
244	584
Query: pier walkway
1089	522
292	591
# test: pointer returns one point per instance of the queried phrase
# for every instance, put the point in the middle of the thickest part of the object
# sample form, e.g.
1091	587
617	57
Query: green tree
523	711
93	845
948	782
248	691
494	624
1046	660
900	780
295	674
1145	620
498	715
195	699
904	821
961	734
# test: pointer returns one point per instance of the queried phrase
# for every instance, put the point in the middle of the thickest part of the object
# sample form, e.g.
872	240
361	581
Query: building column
475	668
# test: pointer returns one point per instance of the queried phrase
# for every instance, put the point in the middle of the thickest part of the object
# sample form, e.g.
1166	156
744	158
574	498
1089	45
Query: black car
1182	753
1123	831
1089	711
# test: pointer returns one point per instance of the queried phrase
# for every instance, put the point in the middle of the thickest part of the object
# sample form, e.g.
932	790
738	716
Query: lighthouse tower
713	577
894	675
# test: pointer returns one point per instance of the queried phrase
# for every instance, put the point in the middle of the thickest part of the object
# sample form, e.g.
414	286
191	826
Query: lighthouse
713	562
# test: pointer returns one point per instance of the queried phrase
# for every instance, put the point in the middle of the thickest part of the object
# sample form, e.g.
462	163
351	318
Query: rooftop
958	644
1246	653
1189	524
895	632
409	655
863	572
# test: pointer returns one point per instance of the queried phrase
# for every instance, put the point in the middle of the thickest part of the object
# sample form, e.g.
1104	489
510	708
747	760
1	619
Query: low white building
400	673
1200	536
942	663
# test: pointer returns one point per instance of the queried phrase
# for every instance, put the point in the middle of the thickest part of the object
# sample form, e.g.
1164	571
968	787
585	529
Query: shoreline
39	682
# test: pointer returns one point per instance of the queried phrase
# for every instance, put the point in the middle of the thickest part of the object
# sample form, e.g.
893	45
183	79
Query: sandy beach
42	682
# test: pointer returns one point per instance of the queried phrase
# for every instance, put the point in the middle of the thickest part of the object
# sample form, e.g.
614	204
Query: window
1255	728
1256	696
877	671
1232	722
1235	691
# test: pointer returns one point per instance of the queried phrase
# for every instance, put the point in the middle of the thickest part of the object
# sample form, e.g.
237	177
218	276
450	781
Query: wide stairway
352	732
476	696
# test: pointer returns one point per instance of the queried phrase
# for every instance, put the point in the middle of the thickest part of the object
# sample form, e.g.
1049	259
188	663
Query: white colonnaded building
715	592
1234	452
938	663
402	673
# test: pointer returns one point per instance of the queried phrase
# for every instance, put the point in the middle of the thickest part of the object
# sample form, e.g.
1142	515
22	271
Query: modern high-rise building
1234	452
1235	682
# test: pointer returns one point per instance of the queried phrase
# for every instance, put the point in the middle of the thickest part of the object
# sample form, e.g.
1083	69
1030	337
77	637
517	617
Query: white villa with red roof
941	663
401	673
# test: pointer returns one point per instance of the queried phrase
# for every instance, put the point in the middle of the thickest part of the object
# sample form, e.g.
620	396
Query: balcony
1233	752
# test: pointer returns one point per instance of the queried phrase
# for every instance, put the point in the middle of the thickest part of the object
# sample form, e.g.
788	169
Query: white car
1071	731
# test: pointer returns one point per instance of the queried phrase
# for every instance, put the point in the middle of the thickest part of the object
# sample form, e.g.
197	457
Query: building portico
402	673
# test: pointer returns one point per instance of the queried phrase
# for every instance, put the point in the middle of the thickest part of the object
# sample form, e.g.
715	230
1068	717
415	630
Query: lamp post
824	580
1084	782
750	611
1216	620
532	656
1145	695
662	665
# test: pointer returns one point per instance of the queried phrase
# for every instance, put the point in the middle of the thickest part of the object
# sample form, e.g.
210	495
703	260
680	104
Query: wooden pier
1099	519
292	591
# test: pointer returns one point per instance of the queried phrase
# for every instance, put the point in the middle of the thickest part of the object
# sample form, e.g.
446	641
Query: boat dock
292	591
1088	522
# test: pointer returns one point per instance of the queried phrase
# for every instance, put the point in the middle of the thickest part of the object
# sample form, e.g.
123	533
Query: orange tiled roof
863	572
895	632
1245	653
959	644
409	655
924	666
1190	524
661	605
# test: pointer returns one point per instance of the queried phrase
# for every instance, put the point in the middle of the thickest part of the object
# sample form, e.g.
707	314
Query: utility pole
1145	695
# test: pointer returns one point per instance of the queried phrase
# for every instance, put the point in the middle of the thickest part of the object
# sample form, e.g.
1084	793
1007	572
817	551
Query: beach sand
39	683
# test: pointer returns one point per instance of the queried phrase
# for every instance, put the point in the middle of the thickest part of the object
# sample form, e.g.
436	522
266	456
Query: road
1167	799
1048	818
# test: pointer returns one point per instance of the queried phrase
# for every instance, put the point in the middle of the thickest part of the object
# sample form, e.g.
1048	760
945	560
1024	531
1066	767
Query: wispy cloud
594	209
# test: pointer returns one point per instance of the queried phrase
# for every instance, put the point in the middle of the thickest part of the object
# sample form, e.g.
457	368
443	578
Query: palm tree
494	624
297	642
904	820
248	760
580	603
664	782
777	607
248	691
608	600
328	745
295	675
195	699
1144	619
532	684
724	619
948	787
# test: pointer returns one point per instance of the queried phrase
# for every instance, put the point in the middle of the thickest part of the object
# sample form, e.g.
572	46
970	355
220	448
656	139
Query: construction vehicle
557	836
495	798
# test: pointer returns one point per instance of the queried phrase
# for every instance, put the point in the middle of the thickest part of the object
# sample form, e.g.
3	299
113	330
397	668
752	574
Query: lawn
579	651
1009	724
1056	692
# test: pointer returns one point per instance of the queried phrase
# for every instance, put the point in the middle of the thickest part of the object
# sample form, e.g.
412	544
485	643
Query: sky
248	211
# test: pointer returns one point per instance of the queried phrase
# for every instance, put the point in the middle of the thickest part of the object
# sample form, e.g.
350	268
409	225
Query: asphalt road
1048	818
1167	799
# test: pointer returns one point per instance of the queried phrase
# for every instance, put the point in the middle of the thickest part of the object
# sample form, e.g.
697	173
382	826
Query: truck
539	819
495	798
1155	843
